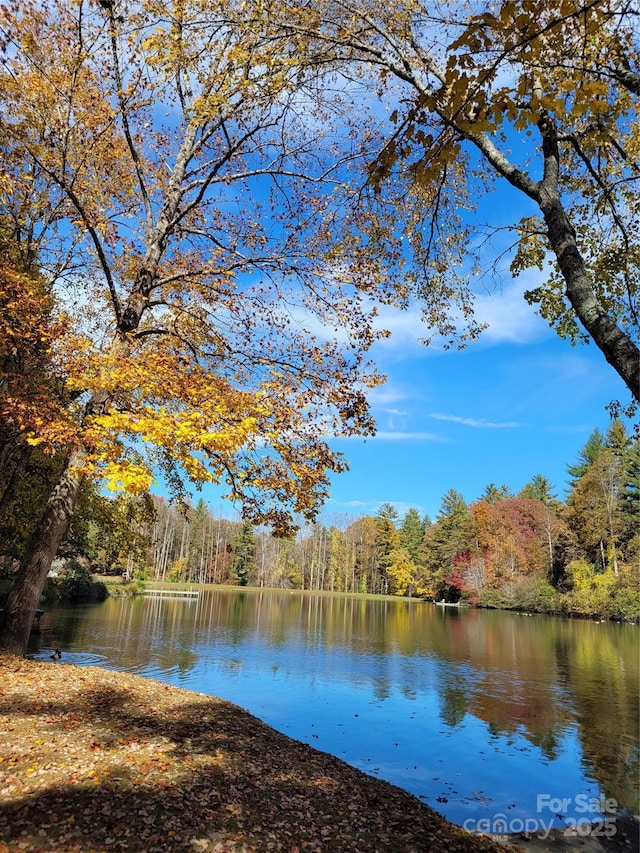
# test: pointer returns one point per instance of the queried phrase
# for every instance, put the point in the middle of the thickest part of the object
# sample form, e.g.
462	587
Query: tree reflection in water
499	703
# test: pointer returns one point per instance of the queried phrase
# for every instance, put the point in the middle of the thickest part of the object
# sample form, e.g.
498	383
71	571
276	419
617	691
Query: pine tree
412	533
587	455
539	489
443	541
243	564
630	503
617	438
387	539
494	493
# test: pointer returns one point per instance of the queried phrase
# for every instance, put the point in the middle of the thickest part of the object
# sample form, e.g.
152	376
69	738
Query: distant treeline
528	550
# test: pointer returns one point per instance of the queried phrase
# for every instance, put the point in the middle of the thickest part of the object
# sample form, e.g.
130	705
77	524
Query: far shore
116	585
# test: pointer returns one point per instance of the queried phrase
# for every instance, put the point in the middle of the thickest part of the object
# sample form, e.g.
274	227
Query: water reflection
475	712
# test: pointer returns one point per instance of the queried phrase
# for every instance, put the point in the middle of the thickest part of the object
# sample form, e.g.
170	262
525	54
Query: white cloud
478	423
371	507
408	436
509	318
387	435
505	312
384	396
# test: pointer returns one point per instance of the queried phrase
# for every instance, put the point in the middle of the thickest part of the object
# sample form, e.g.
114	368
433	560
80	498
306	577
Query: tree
630	498
31	402
287	573
596	510
340	567
114	534
412	532
587	455
156	162
243	563
29	391
539	489
362	534
401	571
444	541
541	99
494	493
515	537
198	527
387	541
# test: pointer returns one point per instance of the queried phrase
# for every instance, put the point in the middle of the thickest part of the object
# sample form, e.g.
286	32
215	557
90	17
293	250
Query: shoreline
98	760
118	588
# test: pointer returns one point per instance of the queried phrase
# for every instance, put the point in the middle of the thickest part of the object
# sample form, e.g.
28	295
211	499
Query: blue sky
520	402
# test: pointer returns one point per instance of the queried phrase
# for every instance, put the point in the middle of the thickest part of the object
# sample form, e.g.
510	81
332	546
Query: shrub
546	599
626	605
73	582
493	598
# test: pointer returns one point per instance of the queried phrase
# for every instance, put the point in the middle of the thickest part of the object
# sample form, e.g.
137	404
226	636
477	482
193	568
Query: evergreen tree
617	438
412	533
453	507
539	489
630	502
387	512
387	539
587	455
494	493
443	541
243	563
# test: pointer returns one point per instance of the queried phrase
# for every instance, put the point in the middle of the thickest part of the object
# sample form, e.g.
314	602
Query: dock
172	593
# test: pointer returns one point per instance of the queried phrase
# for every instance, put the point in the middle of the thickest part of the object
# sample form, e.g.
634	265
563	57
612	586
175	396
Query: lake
492	718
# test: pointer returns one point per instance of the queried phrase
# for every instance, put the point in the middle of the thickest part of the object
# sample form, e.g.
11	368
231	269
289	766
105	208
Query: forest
530	551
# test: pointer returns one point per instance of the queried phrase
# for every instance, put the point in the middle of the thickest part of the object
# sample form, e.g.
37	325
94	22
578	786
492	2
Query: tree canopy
183	191
160	165
542	98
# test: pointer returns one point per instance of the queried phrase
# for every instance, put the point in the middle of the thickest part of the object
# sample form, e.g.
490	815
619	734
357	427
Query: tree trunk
29	582
617	346
17	466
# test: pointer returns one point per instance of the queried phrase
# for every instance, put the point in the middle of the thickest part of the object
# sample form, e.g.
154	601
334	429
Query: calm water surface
480	714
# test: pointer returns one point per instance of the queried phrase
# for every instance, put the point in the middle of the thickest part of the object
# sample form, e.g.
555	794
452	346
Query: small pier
172	593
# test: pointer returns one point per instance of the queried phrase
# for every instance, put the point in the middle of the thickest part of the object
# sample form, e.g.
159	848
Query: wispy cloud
477	423
390	435
386	397
409	436
505	312
372	506
508	316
